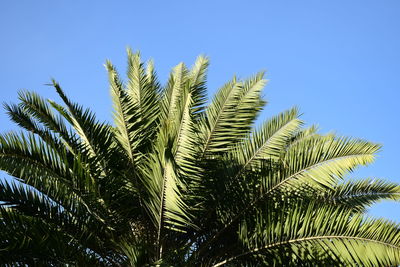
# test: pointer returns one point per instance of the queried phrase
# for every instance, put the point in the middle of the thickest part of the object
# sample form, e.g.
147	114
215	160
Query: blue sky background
339	61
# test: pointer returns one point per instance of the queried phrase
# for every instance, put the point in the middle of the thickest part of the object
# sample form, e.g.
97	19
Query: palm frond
303	134
29	240
231	113
322	160
219	127
250	101
23	155
185	147
122	115
175	90
143	91
197	79
345	237
38	108
360	194
64	210
93	135
268	142
165	201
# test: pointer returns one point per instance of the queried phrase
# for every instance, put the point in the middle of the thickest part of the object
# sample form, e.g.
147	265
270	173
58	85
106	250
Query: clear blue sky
339	61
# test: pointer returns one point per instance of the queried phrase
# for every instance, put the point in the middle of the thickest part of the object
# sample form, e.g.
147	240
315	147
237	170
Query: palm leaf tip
361	194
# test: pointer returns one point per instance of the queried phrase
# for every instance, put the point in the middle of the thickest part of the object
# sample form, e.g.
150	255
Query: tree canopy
177	180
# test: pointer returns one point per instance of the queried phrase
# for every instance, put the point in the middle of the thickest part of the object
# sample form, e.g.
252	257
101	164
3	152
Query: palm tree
177	182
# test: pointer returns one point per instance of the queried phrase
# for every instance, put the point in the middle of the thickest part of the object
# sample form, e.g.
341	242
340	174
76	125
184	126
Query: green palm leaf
268	142
348	238
360	194
323	159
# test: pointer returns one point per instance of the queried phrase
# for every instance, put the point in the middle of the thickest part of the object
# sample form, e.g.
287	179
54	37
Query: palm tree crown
175	181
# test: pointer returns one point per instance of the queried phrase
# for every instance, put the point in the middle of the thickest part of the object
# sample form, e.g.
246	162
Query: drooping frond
38	164
56	205
360	194
33	107
23	119
322	160
39	109
93	134
30	240
24	155
333	232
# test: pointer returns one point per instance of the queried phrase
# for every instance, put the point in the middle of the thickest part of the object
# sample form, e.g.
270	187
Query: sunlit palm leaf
348	238
360	194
